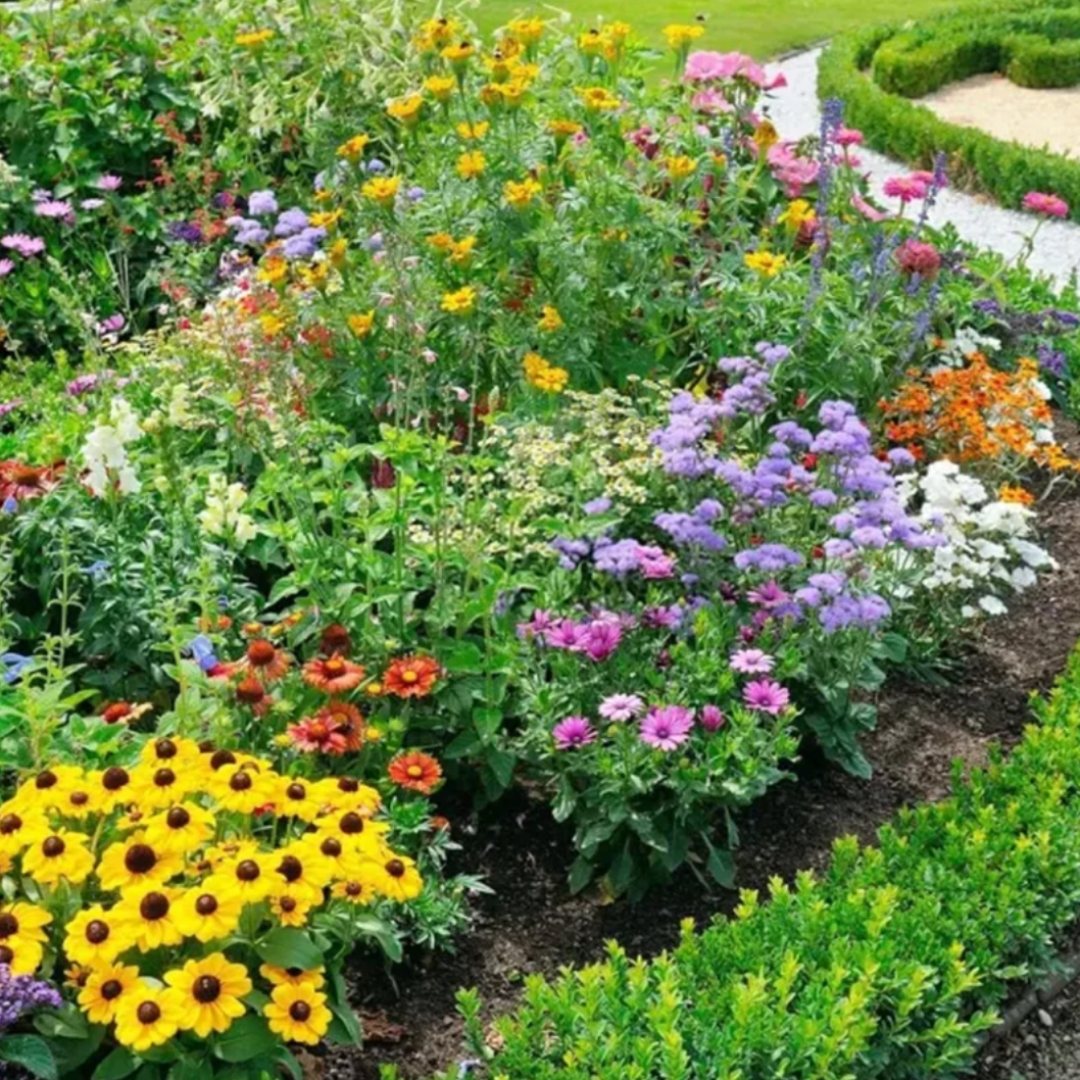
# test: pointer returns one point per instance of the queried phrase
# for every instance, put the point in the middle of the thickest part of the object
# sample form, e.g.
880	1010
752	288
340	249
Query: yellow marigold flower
272	270
591	42
471	164
618	31
680	166
439	30
440	241
381	189
563	129
337	251
424	44
406	109
461	250
520	193
797	214
1013	494
765	263
513	92
314	276
598	98
527	31
473	132
254	39
550	319
460	302
679	35
272	324
440	87
362	325
552	380
459	53
352	148
765	135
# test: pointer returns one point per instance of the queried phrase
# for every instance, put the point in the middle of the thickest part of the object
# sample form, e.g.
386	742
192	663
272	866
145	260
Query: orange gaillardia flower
415	771
411	676
333	674
264	660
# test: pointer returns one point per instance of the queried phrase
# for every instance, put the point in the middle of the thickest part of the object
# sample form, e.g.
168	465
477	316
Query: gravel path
795	112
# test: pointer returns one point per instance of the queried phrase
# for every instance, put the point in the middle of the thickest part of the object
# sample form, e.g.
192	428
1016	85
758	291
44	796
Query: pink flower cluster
707	66
596	637
1038	202
791	170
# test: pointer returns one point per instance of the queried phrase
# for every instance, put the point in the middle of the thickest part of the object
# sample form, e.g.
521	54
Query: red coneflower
21	481
411	676
251	692
333	674
264	660
319	734
415	771
335	641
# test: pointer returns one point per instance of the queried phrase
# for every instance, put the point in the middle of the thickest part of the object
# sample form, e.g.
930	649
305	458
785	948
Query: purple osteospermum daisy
23	244
54	208
108	182
621	707
667	728
711	718
766	696
752	662
601	640
572	732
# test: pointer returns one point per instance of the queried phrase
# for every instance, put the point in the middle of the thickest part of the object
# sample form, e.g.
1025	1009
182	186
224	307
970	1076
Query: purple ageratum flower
712	719
765	695
374	242
186	232
376	166
573	732
415	193
621	707
263	202
290	222
108	182
752	662
303	244
667	728
252	234
21	244
599	505
600	640
768	557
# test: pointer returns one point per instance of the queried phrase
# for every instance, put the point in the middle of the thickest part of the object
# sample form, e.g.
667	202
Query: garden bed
531	926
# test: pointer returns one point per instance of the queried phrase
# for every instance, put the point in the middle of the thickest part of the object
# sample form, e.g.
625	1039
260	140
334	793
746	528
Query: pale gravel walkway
795	112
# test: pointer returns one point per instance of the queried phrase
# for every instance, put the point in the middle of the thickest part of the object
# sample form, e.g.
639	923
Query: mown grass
762	28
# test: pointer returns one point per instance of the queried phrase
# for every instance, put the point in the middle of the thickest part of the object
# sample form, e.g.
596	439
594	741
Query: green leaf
191	1068
65	1023
382	931
32	1052
501	765
581	873
721	865
246	1039
120	1063
288	948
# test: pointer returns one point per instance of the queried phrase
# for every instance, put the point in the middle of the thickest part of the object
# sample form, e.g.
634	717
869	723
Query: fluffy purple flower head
667	727
600	505
290	222
262	202
621	707
573	732
22	994
766	695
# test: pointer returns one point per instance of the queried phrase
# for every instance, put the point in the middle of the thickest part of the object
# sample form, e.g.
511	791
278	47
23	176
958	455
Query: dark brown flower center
206	904
154	906
331	847
287	904
79	798
248	870
9	925
395	868
6	955
296	791
111	989
352	823
177	818
241	782
261	653
97	932
165	749
250	692
10	823
354	888
300	1011
207	988
115	778
45	780
291	869
222	757
140	859
148	1012
53	847
164	778
348	784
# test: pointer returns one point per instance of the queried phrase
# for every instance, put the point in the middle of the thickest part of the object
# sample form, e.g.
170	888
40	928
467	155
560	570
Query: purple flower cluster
596	637
22	994
695	527
616	557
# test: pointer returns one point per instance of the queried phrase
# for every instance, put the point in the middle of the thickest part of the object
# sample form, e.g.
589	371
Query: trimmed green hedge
888	967
910	132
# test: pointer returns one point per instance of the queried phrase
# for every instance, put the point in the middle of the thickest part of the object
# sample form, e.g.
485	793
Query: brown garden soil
531	924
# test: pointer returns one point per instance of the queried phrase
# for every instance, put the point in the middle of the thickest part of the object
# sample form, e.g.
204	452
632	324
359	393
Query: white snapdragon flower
105	451
222	515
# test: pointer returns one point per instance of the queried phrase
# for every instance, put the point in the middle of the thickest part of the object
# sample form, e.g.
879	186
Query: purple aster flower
375	165
415	193
108	182
765	695
712	718
752	662
599	505
566	634
55	208
621	707
768	595
572	732
667	728
374	242
91	204
263	202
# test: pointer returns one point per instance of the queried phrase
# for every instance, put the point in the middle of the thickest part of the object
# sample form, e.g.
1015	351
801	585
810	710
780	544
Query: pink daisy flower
621	707
906	188
764	695
572	732
667	728
752	662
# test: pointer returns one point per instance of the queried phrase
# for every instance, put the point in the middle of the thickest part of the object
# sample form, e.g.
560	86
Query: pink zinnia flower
917	257
621	707
711	101
703	66
667	728
906	188
752	662
1039	202
572	732
849	137
765	695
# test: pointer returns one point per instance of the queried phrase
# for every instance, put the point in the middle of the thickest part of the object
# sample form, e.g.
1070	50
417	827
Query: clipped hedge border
891	965
910	132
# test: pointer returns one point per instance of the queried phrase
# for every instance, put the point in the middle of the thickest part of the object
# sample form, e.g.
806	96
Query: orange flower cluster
976	413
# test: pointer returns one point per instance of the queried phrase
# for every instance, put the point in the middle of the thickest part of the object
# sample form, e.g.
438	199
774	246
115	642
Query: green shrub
1039	63
888	966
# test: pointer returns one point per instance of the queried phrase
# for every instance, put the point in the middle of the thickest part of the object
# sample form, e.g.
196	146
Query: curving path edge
795	111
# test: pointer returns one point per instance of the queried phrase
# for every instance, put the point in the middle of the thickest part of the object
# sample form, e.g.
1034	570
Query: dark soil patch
532	925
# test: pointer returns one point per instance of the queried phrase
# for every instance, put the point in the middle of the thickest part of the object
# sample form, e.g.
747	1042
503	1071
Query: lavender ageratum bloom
570	552
752	662
376	166
621	707
415	193
290	222
14	665
687	529
765	695
768	557
667	728
600	640
374	242
304	244
22	994
262	202
1051	360
599	505
573	732
712	719
252	234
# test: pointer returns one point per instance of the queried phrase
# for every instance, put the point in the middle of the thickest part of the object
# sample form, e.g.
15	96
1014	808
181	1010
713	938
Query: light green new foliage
888	966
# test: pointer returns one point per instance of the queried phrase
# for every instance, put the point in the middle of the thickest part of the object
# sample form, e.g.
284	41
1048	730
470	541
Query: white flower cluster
222	515
105	451
988	550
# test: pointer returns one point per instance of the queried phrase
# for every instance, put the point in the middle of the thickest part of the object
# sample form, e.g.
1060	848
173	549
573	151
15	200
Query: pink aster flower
906	188
621	707
600	640
752	662
6	266
667	728
24	245
765	695
1039	202
572	732
54	208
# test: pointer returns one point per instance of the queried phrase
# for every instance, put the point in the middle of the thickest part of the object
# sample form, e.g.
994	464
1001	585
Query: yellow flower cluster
679	35
765	263
254	39
457	251
605	41
172	853
520	193
543	374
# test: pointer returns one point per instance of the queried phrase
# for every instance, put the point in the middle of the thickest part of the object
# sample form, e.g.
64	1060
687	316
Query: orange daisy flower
411	676
264	660
333	674
349	718
19	481
319	734
415	771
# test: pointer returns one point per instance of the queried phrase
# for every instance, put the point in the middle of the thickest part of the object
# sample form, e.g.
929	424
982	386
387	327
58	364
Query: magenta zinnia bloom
1039	202
766	696
572	732
752	662
621	707
906	188
917	257
667	728
846	136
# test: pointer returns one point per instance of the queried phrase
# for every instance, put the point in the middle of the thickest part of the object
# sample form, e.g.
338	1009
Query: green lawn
762	28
